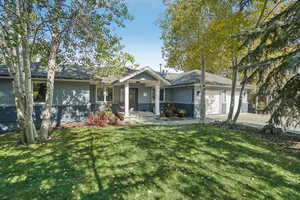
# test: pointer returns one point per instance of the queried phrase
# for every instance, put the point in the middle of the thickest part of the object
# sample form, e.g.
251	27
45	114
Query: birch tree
77	26
17	20
78	31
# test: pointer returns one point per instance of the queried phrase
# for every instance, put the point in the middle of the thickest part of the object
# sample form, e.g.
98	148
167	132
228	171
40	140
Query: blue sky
141	36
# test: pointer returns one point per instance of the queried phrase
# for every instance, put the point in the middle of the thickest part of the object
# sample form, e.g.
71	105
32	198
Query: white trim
157	100
126	100
146	69
113	95
224	86
39	103
209	86
105	94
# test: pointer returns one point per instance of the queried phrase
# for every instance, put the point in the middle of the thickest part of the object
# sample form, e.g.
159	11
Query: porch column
126	99
157	109
105	94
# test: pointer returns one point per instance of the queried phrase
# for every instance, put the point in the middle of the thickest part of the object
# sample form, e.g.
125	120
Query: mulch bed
73	125
289	141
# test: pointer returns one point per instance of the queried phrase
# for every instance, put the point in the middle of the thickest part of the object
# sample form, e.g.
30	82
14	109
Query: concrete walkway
148	118
253	120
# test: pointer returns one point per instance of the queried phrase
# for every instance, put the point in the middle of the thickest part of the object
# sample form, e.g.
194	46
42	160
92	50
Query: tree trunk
15	68
19	101
25	76
237	114
233	87
203	91
30	127
245	72
16	39
46	116
52	68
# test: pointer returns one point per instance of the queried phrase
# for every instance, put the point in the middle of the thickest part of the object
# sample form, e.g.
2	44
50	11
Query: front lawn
148	162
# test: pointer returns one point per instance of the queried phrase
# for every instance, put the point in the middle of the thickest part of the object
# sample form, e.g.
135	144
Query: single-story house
76	93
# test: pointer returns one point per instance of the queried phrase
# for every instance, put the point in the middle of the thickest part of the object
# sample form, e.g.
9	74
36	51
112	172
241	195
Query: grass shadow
149	162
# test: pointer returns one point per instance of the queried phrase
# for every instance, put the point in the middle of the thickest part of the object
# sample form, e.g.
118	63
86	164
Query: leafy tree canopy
194	26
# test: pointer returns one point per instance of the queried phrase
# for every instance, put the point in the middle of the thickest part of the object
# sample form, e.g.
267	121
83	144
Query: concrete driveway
255	120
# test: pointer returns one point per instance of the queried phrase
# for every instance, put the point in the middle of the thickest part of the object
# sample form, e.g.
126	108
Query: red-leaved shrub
98	119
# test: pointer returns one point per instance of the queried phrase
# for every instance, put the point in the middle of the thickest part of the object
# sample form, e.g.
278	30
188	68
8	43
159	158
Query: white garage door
213	101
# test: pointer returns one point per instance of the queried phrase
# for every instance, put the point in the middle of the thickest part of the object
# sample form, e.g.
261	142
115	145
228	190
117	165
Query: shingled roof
78	72
66	72
194	76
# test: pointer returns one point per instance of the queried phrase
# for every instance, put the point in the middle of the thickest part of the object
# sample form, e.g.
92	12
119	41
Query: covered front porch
139	92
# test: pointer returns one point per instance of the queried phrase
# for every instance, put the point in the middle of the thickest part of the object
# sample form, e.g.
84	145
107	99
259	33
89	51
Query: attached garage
218	91
213	102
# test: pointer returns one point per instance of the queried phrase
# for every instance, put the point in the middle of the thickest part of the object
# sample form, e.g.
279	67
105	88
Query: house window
109	94
100	94
153	94
162	95
39	92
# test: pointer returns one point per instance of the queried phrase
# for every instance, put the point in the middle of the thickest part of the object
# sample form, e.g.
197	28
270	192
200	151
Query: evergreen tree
274	63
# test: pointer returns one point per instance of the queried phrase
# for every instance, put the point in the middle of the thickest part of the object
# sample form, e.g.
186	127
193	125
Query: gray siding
144	95
183	95
70	104
65	93
168	95
6	92
71	93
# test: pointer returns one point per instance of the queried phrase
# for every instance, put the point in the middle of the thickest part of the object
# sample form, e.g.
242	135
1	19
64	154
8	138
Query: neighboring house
76	93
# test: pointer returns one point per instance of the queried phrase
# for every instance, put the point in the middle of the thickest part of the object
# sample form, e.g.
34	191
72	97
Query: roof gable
145	74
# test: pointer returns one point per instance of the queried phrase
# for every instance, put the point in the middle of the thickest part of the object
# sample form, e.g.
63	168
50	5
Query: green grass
148	162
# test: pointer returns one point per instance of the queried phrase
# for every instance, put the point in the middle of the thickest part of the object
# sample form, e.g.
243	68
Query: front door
133	98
